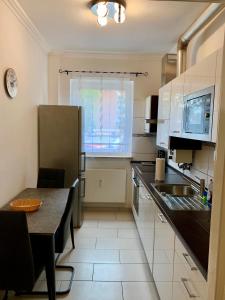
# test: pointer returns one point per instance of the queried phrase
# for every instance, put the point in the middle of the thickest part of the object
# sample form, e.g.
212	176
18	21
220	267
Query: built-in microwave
198	115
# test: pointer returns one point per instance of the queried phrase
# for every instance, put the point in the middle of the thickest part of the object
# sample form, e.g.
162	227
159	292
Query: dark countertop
192	227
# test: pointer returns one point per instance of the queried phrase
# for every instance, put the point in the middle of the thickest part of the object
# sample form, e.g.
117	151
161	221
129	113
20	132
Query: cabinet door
163	254
162	139
164	102
201	75
177	106
163	116
188	282
146	223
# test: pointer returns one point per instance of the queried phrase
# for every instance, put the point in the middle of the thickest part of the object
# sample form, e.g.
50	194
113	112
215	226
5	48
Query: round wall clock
11	83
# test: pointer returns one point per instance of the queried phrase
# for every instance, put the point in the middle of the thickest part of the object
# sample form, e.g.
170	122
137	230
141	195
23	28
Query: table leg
50	267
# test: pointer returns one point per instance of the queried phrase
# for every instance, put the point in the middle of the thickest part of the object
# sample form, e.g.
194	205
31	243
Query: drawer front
165	290
146	223
186	273
163	249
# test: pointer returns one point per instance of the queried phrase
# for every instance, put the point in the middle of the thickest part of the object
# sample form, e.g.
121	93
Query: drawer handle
176	131
189	262
161	218
187	288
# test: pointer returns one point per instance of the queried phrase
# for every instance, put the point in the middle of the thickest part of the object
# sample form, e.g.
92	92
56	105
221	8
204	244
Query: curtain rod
103	72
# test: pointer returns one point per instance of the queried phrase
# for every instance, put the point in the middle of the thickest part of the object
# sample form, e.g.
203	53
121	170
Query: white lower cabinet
164	245
146	222
175	274
188	281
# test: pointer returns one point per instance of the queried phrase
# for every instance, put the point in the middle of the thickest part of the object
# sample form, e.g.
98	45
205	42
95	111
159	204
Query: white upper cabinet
177	106
201	76
164	102
163	116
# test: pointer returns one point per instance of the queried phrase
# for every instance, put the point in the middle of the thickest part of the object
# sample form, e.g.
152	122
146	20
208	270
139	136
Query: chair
65	228
20	268
66	224
50	178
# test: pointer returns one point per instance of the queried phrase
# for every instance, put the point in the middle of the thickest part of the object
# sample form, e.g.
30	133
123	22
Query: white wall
207	41
143	148
202	165
18	117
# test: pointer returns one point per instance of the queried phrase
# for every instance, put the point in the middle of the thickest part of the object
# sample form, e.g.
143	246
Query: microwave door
194	117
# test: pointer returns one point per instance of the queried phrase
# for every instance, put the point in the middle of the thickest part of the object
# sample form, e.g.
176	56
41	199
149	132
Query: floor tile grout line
93	270
122	290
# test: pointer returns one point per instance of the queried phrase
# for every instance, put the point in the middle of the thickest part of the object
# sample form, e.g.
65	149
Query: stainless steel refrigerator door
79	210
59	134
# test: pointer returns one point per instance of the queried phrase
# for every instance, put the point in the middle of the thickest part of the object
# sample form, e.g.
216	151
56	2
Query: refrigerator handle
83	154
83	187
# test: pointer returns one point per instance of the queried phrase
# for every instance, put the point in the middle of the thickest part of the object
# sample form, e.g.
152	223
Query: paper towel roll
160	169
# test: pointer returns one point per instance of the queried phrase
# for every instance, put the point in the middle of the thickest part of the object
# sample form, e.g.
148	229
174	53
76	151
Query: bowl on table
26	204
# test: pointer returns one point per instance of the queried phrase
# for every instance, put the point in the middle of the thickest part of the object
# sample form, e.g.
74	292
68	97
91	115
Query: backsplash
143	148
202	166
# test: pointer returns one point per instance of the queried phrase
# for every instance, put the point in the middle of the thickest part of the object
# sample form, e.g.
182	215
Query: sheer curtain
108	111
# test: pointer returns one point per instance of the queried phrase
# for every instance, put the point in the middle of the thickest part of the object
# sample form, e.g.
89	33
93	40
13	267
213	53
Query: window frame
127	85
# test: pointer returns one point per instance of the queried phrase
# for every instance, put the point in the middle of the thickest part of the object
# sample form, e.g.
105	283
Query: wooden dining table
43	224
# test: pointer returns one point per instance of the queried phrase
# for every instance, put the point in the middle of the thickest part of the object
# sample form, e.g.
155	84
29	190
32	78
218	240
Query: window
108	111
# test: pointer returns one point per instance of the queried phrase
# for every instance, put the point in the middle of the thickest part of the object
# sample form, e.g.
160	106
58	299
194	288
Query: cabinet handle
187	288
161	218
162	143
189	262
148	196
82	187
176	131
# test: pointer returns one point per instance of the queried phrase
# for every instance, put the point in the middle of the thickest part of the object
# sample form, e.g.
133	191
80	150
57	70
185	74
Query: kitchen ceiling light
104	10
102	21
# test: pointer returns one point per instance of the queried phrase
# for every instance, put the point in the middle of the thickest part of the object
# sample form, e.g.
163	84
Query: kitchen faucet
202	185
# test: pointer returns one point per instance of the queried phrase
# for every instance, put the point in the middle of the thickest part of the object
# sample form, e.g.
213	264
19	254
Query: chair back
16	260
63	230
51	178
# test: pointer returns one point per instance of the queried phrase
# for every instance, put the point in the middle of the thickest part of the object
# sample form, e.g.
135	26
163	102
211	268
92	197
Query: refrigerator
60	147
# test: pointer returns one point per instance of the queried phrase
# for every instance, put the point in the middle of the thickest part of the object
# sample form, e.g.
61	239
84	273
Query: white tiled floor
109	261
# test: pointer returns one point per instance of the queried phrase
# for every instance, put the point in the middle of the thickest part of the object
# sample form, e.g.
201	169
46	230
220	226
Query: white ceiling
151	26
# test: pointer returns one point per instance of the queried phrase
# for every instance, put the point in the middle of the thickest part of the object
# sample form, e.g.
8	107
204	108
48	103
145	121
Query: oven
198	115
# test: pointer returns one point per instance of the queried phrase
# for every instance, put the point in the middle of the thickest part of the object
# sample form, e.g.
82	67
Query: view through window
107	117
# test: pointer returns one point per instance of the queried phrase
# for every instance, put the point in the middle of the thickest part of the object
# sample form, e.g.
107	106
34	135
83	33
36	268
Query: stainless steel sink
176	189
180	197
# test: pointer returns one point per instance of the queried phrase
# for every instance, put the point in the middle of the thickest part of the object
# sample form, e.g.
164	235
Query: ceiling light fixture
112	9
